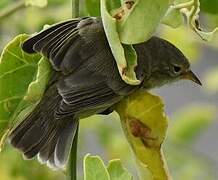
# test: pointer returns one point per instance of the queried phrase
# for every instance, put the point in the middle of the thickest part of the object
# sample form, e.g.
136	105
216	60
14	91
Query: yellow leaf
145	124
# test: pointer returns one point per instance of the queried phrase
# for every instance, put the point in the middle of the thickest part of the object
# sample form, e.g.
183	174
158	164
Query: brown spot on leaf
124	71
139	129
119	14
142	131
129	4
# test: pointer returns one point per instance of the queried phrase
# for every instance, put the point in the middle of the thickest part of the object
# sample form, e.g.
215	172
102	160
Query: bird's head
167	64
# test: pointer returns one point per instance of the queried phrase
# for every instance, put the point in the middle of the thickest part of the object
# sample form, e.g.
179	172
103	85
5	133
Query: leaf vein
11	98
16	69
10	52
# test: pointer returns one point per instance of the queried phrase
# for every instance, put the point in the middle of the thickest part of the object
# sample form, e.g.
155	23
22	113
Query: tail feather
18	133
64	143
35	148
44	135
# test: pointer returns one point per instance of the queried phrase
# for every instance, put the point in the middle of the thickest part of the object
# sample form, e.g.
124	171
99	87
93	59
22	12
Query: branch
12	9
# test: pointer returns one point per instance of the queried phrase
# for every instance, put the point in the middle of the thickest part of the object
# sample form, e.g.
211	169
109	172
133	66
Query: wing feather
28	45
85	93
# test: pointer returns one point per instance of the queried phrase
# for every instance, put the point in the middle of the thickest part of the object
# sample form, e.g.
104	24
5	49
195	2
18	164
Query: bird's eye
177	69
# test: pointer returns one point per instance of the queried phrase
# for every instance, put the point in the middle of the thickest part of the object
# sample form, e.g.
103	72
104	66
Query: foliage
144	123
94	169
24	78
126	62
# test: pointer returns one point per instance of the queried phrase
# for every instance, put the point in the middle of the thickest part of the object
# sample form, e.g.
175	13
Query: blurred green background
191	147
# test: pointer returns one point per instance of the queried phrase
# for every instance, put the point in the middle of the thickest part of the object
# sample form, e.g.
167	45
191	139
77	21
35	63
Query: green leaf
37	87
38	3
189	47
173	18
17	71
140	22
117	171
94	168
126	61
191	10
145	124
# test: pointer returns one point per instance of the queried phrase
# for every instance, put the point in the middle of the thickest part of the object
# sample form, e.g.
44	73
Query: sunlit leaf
173	18
126	61
117	171
140	22
37	87
191	10
94	168
17	71
145	123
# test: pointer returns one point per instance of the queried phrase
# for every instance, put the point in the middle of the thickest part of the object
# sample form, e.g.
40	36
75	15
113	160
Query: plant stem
72	166
12	9
75	8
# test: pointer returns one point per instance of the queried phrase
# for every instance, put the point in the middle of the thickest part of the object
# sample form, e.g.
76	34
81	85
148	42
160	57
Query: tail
43	135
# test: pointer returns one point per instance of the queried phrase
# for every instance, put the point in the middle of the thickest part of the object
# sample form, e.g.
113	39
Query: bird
86	81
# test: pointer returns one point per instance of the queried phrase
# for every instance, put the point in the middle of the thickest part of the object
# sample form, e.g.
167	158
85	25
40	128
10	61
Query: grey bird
86	81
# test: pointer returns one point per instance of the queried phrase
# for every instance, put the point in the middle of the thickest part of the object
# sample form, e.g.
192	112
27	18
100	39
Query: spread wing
55	42
79	50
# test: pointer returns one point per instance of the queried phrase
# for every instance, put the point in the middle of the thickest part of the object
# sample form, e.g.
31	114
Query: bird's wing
84	93
75	43
55	42
79	50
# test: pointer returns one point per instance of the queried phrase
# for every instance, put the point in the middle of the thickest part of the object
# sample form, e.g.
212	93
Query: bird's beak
191	76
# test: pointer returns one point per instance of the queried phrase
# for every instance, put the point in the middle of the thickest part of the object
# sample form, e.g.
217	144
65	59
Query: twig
12	9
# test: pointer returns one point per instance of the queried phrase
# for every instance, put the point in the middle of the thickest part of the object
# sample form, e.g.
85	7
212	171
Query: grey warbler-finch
86	81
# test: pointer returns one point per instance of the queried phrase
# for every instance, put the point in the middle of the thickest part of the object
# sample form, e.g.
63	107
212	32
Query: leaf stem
12	9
